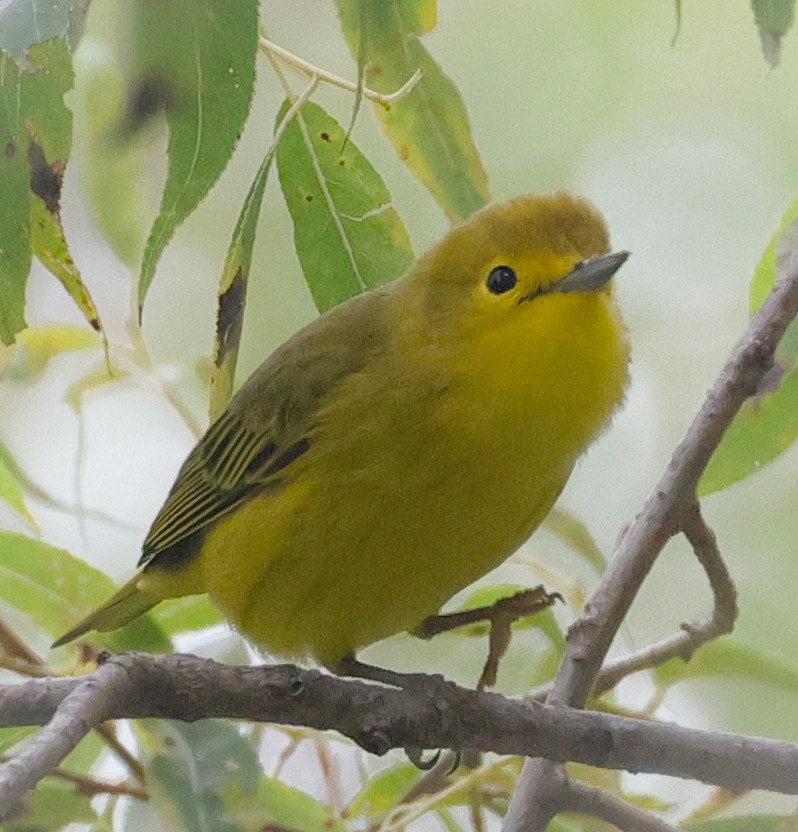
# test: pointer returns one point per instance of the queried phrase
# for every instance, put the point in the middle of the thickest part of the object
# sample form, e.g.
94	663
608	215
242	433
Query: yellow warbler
401	445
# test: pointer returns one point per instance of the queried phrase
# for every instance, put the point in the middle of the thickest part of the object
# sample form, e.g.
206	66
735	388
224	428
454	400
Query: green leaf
429	127
15	256
43	81
195	767
11	490
383	791
348	235
57	589
233	293
773	19
50	247
285	807
573	532
195	59
26	22
729	657
48	582
205	775
744	823
9	737
84	756
53	804
767	424
179	615
781	244
566	823
49	125
765	427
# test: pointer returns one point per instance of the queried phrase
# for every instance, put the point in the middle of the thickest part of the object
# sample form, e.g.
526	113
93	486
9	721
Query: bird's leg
501	615
351	666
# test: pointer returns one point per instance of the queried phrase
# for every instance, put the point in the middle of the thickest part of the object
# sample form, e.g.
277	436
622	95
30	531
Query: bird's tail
127	604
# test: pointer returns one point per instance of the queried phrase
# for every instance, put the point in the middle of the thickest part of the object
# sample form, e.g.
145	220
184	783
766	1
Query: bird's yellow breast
416	484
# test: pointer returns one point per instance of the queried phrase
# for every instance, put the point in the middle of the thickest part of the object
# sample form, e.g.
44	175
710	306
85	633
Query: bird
401	445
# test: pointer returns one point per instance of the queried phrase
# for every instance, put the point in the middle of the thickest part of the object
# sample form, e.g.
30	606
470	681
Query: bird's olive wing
230	464
248	451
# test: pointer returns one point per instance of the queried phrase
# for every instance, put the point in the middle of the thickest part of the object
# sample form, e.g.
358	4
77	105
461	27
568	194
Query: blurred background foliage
678	121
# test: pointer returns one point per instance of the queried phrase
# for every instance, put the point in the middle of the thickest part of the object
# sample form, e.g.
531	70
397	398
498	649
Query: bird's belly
336	564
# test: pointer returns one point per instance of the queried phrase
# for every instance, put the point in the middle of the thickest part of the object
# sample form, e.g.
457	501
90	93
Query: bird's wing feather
267	426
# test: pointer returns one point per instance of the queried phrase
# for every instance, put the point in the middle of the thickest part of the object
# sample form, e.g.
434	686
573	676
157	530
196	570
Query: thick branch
377	718
662	516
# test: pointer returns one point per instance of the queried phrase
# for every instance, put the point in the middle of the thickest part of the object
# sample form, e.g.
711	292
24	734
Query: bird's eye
501	280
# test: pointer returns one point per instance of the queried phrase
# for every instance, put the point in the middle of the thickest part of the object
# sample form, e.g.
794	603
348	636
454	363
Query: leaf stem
312	71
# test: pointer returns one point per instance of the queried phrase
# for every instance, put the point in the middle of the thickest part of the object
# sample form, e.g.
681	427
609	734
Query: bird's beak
590	275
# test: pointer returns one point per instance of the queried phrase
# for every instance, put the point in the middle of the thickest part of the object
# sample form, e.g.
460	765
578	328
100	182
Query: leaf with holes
429	127
233	292
36	137
348	235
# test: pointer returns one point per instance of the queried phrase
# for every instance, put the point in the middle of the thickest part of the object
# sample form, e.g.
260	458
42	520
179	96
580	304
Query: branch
666	511
81	710
684	643
436	715
588	800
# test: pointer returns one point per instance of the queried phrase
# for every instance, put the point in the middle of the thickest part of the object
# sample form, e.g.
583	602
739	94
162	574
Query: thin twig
665	512
16	649
705	547
90	786
311	71
329	774
433	779
405	814
684	643
108	734
23	667
588	800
